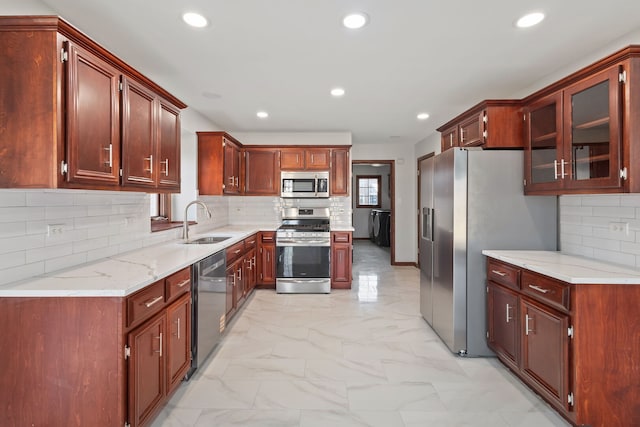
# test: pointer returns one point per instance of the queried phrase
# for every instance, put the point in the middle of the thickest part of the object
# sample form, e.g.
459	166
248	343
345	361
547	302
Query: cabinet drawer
145	303
178	283
504	274
250	242
341	237
234	252
268	237
546	290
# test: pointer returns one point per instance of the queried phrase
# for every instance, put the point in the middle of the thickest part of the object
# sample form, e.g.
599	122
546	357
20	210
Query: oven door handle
303	243
306	280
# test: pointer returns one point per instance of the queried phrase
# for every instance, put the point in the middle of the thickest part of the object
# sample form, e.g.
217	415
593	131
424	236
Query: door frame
419	223
392	197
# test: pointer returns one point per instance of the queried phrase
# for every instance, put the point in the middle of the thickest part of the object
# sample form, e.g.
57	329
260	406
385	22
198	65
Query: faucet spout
185	225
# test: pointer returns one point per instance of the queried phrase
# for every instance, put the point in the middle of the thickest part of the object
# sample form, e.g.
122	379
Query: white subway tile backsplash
49	252
21	243
64	212
12	229
26	271
615	211
585	227
11	214
55	264
12	259
47	198
615	257
12	198
90	244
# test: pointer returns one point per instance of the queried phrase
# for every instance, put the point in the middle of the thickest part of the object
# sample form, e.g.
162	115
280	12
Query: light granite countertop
568	268
123	274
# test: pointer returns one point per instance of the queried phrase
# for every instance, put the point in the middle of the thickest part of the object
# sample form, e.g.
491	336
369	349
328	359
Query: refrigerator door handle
427	224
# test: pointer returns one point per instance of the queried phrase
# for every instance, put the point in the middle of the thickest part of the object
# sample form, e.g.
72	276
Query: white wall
293	138
361	215
405	192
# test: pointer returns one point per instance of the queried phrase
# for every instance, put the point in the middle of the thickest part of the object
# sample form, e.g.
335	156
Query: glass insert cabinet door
592	133
545	142
573	136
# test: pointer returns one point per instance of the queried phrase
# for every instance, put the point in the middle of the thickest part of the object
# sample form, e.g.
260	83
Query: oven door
303	269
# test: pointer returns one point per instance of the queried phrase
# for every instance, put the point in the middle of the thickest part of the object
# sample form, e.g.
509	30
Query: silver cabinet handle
160	350
539	289
562	174
237	252
184	282
236	181
153	301
150	159
110	150
499	273
526	326
451	140
166	163
239	274
461	135
230	180
555	169
178	329
507	311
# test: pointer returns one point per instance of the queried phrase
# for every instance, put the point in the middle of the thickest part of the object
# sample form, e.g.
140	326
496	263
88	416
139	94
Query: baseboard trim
405	264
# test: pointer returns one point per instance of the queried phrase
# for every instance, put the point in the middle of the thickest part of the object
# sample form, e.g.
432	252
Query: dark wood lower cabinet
341	259
545	350
178	341
146	369
573	344
503	323
266	270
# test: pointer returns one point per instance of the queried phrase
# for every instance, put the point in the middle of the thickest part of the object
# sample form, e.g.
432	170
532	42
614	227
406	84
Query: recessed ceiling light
195	19
337	92
530	20
262	114
423	116
355	20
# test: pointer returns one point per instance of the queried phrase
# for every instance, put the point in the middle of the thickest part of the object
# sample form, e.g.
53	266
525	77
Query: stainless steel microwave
305	184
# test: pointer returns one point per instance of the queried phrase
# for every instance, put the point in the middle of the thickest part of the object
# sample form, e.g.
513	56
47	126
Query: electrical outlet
54	229
619	228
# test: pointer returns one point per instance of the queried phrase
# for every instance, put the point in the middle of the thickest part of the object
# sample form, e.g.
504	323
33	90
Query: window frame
376	177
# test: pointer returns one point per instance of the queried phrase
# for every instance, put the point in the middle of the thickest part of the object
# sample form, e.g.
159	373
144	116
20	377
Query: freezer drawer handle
499	273
539	289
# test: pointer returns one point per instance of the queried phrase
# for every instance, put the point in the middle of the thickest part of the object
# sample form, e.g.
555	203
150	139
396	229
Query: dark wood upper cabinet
219	159
138	135
169	146
93	118
573	137
262	174
489	124
340	172
317	158
292	158
66	109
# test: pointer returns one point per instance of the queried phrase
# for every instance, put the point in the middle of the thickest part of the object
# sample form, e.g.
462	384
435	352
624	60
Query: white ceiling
283	56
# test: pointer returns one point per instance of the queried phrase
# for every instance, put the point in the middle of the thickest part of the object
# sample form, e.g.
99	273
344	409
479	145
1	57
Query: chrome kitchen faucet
185	225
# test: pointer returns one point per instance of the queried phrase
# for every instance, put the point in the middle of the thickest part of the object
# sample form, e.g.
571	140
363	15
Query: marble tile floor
363	357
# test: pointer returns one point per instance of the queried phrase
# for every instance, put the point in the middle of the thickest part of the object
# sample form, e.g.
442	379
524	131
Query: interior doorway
373	203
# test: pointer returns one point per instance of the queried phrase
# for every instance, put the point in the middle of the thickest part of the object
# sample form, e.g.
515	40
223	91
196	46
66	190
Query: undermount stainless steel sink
208	240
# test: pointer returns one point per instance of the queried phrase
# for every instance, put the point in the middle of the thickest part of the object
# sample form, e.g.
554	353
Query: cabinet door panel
93	122
231	168
140	161
292	159
449	138
178	341
503	323
317	158
146	369
543	153
545	350
470	131
262	172
267	266
340	168
592	131
169	147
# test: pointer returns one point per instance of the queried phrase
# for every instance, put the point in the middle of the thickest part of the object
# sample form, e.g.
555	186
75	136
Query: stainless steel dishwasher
208	311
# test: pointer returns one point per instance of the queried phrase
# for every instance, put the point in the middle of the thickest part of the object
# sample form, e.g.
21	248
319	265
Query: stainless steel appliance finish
303	250
209	307
304	184
473	200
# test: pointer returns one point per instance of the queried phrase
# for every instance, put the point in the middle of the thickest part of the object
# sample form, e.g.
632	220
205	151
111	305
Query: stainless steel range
303	247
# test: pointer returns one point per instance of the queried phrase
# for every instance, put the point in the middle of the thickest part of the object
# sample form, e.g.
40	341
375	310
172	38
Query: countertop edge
568	268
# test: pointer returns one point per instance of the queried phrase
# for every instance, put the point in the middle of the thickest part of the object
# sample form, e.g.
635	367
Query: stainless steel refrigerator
472	200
